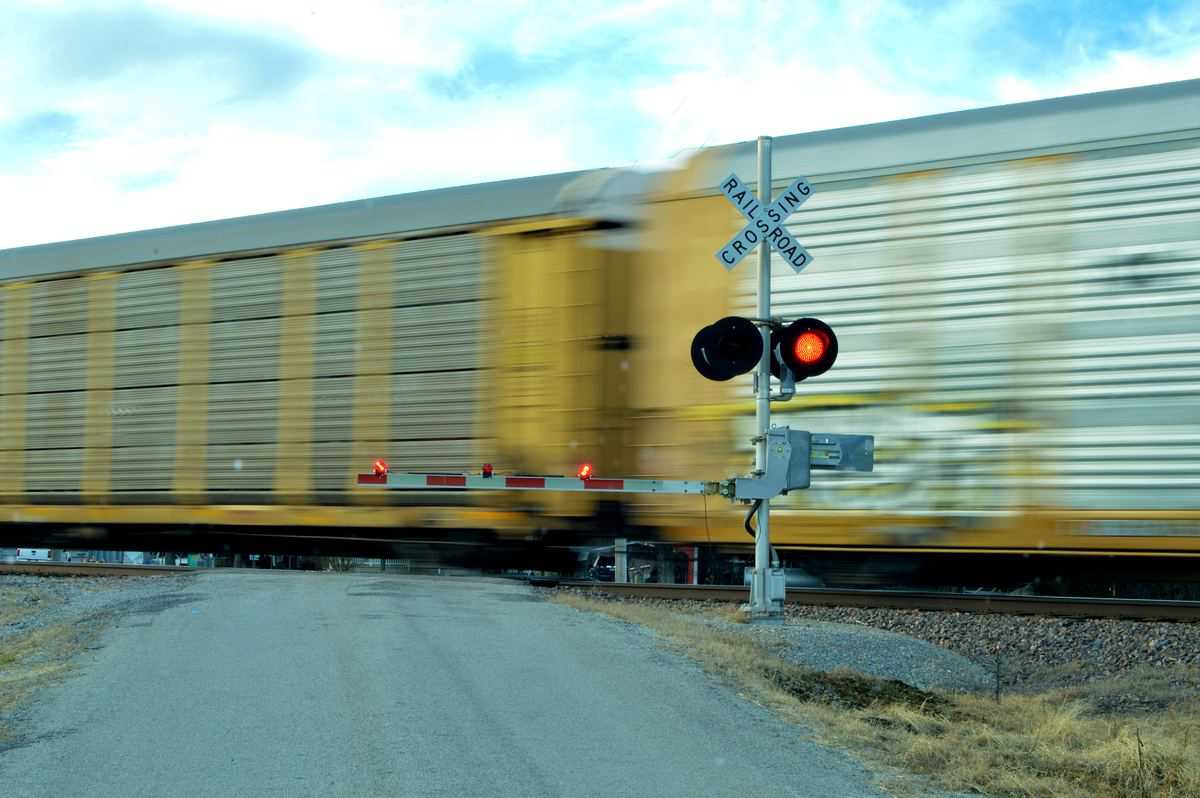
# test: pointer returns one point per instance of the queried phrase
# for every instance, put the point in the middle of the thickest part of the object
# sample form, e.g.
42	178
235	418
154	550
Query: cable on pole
750	514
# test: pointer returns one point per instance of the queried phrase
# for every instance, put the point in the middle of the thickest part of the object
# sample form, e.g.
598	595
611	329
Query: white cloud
359	31
1167	49
264	106
1119	70
236	170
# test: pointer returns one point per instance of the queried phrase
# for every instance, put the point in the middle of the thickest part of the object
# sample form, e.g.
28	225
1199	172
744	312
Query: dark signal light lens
727	348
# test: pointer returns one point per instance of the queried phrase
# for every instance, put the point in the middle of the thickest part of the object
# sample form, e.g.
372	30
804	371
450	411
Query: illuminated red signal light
810	347
806	347
585	471
381	468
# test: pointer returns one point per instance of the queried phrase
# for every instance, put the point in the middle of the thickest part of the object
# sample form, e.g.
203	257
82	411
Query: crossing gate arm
411	481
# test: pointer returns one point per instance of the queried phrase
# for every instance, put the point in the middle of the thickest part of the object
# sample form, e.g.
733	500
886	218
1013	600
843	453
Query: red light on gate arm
585	471
381	468
810	346
487	469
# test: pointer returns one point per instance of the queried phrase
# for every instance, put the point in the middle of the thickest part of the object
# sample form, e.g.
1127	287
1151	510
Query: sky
119	116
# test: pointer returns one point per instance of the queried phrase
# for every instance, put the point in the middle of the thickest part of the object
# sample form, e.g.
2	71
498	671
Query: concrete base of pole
772	620
754	616
761	608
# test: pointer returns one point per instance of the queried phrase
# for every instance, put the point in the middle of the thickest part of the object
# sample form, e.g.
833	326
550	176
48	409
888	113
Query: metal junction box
776	584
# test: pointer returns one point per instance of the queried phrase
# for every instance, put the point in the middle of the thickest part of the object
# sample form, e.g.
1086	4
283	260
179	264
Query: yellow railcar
1016	292
237	374
1015	289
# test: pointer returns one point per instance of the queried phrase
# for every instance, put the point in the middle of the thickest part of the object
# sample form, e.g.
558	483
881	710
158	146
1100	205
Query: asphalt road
293	684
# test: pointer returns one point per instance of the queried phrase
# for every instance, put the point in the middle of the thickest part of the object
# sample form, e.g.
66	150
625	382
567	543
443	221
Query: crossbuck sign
765	223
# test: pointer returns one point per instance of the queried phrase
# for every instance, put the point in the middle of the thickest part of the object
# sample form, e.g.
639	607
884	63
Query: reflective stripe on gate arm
528	483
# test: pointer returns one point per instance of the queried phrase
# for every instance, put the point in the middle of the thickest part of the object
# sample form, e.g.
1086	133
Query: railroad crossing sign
765	223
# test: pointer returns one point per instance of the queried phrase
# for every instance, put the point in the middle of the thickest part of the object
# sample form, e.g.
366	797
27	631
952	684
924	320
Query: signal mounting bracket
792	454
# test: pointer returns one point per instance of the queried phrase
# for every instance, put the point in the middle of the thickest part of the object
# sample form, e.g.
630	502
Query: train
1015	291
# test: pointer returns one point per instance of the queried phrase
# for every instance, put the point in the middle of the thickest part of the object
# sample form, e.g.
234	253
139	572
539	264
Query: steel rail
90	569
1003	603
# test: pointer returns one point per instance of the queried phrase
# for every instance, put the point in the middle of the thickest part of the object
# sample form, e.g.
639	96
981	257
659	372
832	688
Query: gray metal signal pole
760	605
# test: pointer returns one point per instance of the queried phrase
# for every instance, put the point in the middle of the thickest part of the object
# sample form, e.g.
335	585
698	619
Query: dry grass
1030	746
1034	746
32	660
29	660
730	612
1143	689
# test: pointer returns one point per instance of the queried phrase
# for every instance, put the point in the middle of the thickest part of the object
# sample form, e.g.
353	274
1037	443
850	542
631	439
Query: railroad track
89	569
1133	609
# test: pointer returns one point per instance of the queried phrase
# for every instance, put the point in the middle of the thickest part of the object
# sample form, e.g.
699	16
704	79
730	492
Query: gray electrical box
798	465
787	466
776	584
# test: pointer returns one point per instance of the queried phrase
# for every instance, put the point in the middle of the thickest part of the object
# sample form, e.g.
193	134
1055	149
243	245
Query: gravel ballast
962	651
1035	652
884	655
42	601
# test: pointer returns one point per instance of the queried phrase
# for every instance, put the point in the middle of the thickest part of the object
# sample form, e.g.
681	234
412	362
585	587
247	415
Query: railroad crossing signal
765	223
733	345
